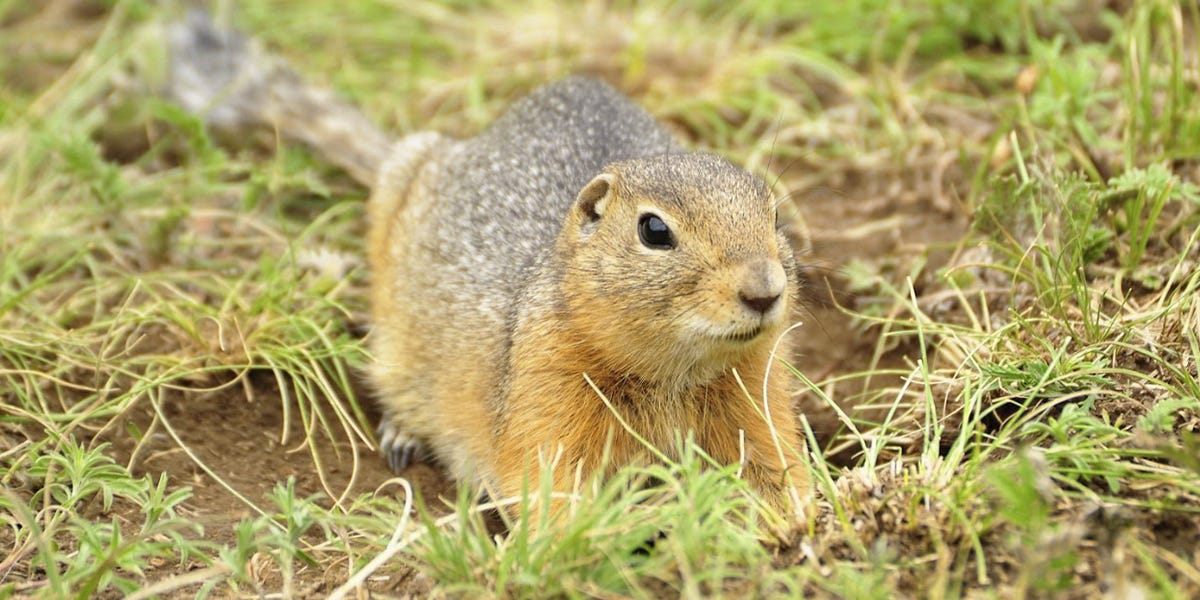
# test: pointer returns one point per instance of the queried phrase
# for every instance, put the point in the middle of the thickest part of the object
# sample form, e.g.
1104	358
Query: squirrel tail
233	84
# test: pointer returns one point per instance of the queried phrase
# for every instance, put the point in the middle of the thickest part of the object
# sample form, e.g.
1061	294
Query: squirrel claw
398	448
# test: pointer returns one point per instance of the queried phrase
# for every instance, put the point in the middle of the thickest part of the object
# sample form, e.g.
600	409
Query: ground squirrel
574	236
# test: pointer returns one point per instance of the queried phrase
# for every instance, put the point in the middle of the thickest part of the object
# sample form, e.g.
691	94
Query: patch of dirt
239	440
864	219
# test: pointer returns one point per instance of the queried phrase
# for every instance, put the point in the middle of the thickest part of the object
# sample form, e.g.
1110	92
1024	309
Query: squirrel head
676	268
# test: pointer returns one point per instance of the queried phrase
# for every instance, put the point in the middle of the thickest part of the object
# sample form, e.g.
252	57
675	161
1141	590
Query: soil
859	220
238	439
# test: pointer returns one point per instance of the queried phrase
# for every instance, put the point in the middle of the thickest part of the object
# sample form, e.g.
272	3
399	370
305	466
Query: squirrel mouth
743	336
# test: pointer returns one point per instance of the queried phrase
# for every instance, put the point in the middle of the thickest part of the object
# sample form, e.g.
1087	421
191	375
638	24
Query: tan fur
550	409
501	277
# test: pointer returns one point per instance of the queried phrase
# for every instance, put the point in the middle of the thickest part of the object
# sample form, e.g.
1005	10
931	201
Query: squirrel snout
762	286
758	304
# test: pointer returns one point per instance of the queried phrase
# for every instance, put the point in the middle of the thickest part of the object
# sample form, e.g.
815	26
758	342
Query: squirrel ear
593	200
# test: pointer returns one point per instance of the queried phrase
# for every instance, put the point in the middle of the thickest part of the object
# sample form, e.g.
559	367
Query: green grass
1025	423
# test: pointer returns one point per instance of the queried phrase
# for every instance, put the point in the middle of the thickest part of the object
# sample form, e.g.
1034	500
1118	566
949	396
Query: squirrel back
505	192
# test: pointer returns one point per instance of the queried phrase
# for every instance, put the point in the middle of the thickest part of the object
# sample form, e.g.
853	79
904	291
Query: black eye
655	233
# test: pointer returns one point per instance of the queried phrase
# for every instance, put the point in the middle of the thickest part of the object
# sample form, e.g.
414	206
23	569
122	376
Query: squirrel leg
569	459
765	439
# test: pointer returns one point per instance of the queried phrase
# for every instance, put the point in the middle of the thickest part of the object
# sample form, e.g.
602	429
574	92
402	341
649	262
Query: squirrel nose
760	304
762	286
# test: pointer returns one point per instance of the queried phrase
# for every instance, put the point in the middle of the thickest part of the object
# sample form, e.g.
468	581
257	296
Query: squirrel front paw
399	448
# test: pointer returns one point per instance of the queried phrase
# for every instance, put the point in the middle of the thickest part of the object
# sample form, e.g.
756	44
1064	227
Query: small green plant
1162	416
279	535
1025	497
66	530
1141	194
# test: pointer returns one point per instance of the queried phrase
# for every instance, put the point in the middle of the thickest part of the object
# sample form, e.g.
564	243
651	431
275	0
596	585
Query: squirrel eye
655	233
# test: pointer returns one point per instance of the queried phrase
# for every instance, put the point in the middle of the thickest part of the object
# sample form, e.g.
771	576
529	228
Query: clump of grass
125	281
682	527
1062	338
